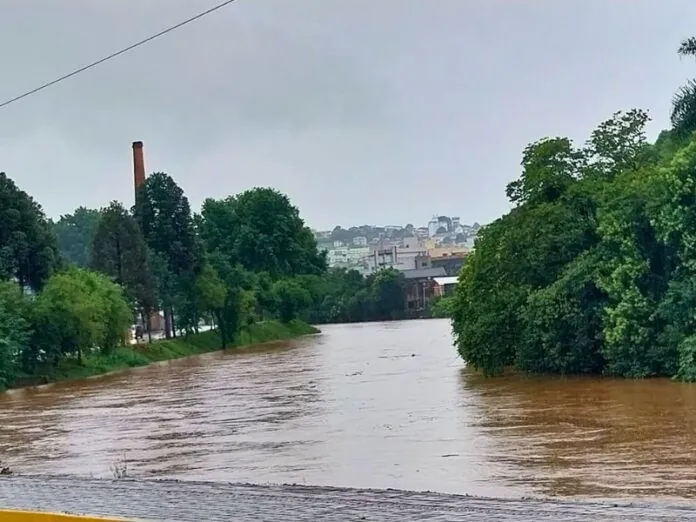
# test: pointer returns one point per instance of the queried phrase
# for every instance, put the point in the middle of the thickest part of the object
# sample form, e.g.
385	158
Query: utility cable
117	53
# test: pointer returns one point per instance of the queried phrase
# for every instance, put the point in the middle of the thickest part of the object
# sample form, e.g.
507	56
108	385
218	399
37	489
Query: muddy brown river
368	406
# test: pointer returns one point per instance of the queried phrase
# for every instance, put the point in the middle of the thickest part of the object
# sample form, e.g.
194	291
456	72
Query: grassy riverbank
165	350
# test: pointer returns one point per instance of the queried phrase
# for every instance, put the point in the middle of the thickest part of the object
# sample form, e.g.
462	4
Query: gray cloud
361	110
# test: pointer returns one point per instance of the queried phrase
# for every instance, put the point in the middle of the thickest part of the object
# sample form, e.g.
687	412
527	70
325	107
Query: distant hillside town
437	249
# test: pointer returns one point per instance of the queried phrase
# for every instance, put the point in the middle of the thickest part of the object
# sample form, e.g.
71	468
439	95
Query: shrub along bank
99	363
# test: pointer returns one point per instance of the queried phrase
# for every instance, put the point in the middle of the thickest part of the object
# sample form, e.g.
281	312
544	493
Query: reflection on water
372	405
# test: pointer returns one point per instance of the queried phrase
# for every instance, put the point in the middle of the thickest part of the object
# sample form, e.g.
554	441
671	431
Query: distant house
407	254
345	257
382	258
420	288
422	232
450	258
393	228
452	264
360	241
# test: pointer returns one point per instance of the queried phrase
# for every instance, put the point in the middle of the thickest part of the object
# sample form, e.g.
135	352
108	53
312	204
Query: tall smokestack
138	165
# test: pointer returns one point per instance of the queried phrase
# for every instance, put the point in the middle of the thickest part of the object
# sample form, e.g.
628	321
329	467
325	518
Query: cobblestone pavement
213	502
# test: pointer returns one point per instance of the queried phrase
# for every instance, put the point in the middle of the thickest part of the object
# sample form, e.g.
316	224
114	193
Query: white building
432	226
438	223
410	254
393	228
346	257
360	241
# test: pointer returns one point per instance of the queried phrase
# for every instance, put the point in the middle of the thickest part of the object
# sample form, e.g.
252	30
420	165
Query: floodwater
372	406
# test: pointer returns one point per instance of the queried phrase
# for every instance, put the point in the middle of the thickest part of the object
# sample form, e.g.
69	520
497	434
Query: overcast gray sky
362	111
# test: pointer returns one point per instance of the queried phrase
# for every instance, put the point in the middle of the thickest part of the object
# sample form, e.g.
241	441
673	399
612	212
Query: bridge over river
370	406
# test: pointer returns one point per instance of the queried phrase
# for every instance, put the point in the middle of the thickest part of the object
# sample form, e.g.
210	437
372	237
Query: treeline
48	310
74	287
345	296
594	269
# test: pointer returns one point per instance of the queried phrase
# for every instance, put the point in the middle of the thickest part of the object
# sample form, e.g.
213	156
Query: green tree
116	314
79	311
569	280
261	230
635	279
119	251
292	299
440	307
75	233
618	145
15	331
166	285
236	280
672	212
164	215
209	294
247	307
684	101
265	298
563	323
387	294
549	166
28	251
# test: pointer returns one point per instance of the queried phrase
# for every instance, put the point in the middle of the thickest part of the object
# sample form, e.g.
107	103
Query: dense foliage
119	251
244	259
74	233
593	269
28	251
164	216
346	296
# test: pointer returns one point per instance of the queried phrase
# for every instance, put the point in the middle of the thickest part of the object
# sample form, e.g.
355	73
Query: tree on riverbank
263	232
28	251
246	259
119	251
76	312
592	270
75	235
164	215
15	331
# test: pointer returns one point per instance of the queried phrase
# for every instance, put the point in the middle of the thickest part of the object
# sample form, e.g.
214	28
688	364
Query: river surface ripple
381	405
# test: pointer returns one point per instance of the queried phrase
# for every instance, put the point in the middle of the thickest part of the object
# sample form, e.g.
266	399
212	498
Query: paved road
213	502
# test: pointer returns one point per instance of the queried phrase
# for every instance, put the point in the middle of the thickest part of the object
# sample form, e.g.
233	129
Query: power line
117	53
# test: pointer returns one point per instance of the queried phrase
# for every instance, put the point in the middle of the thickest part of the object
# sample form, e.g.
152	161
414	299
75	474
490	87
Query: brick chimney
138	165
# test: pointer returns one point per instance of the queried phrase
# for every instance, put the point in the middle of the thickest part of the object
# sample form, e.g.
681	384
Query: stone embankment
218	502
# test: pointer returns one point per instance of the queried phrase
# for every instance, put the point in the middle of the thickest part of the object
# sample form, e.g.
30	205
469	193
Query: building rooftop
421	273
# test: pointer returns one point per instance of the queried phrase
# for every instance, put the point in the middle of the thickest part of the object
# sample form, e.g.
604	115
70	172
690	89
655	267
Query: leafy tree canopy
79	310
164	215
74	233
261	230
28	251
15	331
591	271
119	251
